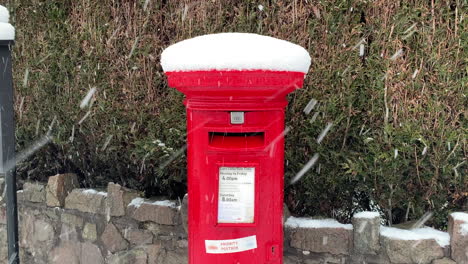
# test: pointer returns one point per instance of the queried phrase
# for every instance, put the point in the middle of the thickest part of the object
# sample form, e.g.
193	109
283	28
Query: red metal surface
236	84
214	142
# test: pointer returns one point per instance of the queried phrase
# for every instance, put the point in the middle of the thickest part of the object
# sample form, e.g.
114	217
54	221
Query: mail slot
236	140
235	161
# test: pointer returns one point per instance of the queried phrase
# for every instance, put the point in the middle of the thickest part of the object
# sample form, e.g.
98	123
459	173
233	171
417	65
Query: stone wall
61	223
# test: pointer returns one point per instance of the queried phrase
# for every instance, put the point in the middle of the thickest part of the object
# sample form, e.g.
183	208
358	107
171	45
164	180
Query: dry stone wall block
291	259
138	237
52	213
183	243
66	252
2	213
443	261
380	258
43	232
89	232
173	257
163	230
134	256
153	252
322	240
37	236
161	212
26	224
112	239
36	233
412	251
2	185
73	252
3	244
20	195
458	230
34	192
118	198
72	220
184	212
326	259
91	254
88	201
366	232
68	233
2	202
286	213
58	187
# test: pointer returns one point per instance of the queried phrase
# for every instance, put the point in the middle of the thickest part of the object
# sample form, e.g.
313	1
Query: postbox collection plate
236	195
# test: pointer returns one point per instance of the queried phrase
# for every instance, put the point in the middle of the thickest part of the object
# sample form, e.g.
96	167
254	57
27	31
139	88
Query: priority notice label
236	199
231	245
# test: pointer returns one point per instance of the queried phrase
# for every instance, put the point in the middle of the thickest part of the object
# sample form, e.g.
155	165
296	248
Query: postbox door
245	227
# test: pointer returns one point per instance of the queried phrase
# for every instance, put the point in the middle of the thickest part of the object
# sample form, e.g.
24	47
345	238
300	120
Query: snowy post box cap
235	51
7	31
211	63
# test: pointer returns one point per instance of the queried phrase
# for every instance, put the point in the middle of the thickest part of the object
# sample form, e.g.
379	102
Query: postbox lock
237	118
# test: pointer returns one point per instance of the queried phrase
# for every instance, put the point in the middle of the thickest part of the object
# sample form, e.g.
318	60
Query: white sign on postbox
236	199
230	245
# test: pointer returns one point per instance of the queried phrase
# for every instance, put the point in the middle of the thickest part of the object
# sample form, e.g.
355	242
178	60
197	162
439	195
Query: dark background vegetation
65	47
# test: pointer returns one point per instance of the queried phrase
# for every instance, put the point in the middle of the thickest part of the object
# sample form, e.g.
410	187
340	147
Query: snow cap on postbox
234	66
7	31
235	52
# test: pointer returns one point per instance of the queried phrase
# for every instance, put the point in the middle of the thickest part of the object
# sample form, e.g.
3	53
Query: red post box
235	138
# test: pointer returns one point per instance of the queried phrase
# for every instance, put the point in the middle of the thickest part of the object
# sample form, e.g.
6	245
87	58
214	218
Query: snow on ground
92	191
235	51
442	238
316	223
460	216
7	31
366	214
137	202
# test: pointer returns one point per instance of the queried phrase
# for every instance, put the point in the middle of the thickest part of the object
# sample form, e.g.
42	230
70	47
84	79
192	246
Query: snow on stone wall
60	223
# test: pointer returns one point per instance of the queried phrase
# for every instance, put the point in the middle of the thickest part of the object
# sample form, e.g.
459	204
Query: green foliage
414	103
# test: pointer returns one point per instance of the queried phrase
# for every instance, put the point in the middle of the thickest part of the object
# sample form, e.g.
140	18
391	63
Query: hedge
390	76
